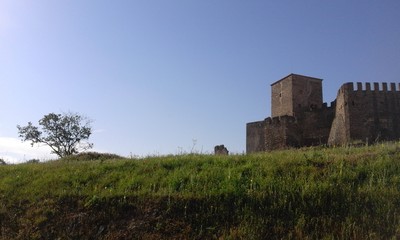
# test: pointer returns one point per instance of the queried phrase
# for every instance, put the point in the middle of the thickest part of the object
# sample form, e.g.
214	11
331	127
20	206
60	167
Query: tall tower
294	93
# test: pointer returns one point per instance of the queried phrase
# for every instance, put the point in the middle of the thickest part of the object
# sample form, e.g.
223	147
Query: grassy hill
313	193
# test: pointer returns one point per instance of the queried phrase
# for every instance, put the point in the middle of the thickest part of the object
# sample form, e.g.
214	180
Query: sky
168	77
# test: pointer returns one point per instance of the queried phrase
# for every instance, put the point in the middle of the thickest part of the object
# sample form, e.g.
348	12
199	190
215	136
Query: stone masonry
221	150
300	118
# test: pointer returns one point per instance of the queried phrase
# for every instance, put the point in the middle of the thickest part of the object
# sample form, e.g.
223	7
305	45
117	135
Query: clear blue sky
155	74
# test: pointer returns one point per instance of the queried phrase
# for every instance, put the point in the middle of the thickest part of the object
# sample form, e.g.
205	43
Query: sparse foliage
2	162
92	156
33	161
65	134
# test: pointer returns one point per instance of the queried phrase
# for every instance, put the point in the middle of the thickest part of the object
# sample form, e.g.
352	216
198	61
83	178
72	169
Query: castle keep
300	118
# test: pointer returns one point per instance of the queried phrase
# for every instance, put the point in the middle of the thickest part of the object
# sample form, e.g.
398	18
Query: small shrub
91	156
33	161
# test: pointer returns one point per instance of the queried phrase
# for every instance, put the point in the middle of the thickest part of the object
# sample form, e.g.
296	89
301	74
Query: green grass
315	193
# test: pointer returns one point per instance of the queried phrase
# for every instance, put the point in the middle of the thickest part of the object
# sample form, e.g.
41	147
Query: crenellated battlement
371	87
280	119
331	106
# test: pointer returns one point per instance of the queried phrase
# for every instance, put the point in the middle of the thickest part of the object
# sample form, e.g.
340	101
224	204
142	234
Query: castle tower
294	93
361	113
366	115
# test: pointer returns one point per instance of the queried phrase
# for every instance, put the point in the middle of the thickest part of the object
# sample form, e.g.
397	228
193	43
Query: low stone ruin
221	150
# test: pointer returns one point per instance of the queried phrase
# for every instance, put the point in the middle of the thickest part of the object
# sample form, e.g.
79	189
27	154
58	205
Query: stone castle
300	118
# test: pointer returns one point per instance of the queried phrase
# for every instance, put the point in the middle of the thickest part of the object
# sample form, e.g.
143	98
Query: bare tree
65	134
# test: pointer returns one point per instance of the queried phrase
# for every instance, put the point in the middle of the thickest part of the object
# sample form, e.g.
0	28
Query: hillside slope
340	193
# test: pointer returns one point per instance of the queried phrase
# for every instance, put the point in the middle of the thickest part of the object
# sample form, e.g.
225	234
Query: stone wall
282	132
366	114
307	93
340	130
291	94
255	137
316	125
281	97
310	129
221	150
